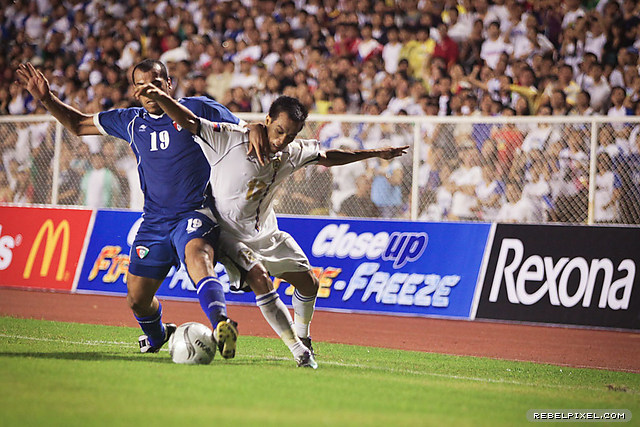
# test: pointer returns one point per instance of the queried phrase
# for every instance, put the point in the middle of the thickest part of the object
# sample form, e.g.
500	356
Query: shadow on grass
88	356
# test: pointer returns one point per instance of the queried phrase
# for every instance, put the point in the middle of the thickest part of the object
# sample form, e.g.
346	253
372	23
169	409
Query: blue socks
212	301
152	326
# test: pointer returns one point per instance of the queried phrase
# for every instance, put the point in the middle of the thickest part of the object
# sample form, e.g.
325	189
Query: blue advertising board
394	267
107	261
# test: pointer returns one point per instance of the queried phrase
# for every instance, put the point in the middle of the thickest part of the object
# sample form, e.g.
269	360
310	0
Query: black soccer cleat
145	345
307	343
306	360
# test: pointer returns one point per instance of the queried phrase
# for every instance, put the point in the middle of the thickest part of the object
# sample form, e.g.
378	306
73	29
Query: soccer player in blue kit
178	223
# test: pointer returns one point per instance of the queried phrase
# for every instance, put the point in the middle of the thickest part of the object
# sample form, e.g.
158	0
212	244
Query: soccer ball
192	344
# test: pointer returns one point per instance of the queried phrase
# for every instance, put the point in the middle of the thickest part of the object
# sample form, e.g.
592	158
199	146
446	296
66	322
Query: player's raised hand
148	90
32	80
258	142
391	152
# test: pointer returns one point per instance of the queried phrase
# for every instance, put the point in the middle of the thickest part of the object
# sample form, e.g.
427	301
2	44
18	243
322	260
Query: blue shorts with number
159	246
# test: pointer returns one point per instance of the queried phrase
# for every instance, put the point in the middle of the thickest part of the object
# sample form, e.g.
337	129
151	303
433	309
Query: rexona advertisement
563	274
41	247
376	266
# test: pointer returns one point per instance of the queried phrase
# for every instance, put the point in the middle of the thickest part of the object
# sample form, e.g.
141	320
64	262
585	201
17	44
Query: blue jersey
174	172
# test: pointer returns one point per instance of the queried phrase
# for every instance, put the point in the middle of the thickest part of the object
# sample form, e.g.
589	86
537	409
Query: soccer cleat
306	360
307	343
226	335
145	345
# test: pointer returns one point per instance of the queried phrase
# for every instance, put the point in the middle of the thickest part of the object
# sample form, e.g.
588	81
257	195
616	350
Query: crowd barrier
568	275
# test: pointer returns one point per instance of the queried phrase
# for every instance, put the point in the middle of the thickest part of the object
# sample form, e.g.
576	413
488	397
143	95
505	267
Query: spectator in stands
583	104
617	109
607	192
537	188
6	194
386	190
596	84
494	45
517	209
489	193
23	190
100	186
445	48
69	182
466	178
359	204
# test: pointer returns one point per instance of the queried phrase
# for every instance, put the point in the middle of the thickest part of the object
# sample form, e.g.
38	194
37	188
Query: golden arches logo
52	238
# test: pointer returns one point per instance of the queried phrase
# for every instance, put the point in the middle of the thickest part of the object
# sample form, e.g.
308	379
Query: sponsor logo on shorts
142	251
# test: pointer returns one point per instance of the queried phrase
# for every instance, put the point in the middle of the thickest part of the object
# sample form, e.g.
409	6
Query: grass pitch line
325	362
94	343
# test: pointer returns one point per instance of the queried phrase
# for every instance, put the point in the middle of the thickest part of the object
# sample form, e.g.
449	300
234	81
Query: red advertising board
41	247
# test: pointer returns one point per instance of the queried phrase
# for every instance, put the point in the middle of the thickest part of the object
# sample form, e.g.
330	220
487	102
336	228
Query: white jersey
242	188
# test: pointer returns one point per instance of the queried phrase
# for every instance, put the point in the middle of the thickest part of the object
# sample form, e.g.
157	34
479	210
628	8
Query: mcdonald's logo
52	237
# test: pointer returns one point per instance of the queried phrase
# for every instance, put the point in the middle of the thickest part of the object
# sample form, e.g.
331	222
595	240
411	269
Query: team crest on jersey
177	126
142	251
142	128
216	127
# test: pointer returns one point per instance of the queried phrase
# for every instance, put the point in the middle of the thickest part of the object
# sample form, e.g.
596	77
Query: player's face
281	131
143	77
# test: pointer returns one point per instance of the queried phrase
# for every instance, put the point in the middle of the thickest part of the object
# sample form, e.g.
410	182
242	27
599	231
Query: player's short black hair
148	65
291	106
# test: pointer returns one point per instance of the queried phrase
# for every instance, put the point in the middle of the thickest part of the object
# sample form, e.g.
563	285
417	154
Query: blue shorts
158	247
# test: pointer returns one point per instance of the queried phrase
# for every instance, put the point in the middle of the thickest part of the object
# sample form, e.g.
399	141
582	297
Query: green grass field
64	374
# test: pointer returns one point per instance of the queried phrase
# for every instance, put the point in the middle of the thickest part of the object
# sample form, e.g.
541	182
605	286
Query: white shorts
279	253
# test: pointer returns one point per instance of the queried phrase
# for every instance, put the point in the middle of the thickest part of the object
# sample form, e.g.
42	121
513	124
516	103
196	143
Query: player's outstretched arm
342	157
36	83
181	114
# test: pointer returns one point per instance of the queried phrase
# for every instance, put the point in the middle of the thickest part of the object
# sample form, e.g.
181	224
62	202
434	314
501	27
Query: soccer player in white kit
244	188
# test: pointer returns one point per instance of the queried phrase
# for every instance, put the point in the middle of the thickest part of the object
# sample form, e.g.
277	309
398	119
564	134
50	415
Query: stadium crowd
374	57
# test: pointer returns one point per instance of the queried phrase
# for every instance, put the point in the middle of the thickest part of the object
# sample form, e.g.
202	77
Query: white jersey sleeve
216	133
303	152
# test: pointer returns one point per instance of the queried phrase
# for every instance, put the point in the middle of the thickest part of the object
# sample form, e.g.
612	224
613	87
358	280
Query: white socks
303	308
277	315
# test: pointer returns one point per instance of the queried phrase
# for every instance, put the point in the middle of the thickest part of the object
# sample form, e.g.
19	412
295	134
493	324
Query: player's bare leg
277	315
146	308
303	301
199	258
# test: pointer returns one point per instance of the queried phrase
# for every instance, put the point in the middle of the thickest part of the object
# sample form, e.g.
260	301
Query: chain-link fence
508	169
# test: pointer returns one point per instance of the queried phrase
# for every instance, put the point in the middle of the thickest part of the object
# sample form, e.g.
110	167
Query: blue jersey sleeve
117	122
209	109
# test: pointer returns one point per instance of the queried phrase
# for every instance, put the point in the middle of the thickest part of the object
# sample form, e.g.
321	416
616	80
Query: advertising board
41	247
364	266
574	275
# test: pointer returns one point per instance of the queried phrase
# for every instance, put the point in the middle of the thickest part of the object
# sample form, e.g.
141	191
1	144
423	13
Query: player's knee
259	281
198	250
139	303
315	283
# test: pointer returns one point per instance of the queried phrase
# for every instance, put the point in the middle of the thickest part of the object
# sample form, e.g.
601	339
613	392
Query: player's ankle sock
303	308
277	315
152	327
212	301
